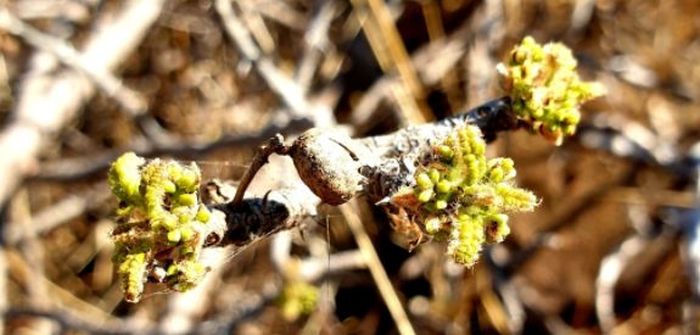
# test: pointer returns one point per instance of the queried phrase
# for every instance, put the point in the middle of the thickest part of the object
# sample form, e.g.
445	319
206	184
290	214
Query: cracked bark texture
337	169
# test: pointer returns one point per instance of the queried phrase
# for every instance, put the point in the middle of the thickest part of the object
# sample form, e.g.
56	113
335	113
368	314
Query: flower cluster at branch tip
462	198
160	221
545	88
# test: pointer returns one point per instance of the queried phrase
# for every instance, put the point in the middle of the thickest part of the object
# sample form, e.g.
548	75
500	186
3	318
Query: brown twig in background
61	212
33	252
316	41
384	286
74	321
288	90
132	101
3	286
83	167
386	38
432	63
48	103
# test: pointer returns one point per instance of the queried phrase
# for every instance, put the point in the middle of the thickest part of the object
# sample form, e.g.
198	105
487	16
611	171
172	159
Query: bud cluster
461	197
545	88
160	220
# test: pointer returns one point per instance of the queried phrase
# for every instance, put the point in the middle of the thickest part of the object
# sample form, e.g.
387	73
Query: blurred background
611	249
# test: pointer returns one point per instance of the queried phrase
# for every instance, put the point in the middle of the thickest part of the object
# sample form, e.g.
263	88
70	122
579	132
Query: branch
77	168
256	218
434	179
47	103
130	100
287	89
72	320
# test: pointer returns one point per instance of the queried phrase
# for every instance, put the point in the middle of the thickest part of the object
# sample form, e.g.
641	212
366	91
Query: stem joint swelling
433	180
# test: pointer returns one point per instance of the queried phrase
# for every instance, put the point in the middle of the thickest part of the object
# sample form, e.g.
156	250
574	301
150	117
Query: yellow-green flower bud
168	186
187	233
160	203
545	89
165	220
187	250
516	198
434	175
187	199
297	298
133	276
468	196
203	215
174	236
423	181
444	186
188	180
445	151
189	274
425	195
125	176
466	241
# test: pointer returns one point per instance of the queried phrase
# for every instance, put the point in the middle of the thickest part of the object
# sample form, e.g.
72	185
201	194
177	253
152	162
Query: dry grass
373	66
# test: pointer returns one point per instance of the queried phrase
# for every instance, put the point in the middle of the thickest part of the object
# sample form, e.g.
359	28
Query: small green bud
444	186
440	204
501	169
298	298
189	274
174	236
203	214
445	151
182	210
497	174
425	195
187	233
188	180
125	176
170	221
165	221
434	175
423	181
168	186
187	199
187	250
184	218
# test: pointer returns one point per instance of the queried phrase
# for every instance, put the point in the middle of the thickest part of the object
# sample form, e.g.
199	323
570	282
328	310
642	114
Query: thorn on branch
273	145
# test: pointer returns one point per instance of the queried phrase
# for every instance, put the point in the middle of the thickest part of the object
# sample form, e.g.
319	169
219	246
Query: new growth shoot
545	89
462	198
161	224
